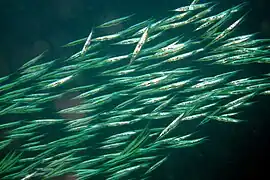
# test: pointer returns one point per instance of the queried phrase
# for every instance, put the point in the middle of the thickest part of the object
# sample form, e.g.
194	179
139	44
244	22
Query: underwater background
235	151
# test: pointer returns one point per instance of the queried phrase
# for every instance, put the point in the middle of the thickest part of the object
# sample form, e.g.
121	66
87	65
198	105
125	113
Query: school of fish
135	95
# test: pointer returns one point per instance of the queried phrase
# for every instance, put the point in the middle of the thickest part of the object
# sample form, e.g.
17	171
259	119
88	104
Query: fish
87	43
116	107
115	21
193	6
140	44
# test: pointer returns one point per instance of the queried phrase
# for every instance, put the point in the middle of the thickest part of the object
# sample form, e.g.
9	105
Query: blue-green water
232	151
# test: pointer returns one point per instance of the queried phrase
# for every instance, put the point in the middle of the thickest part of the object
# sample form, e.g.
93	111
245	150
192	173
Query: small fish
139	45
192	7
225	119
156	165
87	43
32	61
227	31
115	21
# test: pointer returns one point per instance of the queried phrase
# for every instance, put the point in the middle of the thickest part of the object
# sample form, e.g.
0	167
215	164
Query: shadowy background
29	27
